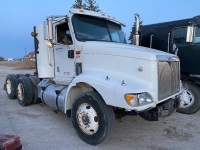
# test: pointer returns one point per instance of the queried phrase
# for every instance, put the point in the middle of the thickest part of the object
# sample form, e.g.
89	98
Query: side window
63	34
197	35
180	35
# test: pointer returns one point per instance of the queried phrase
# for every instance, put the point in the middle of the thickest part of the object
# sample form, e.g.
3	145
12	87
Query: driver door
64	64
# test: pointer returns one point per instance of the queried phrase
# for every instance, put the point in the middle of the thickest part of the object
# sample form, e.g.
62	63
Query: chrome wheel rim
20	91
186	98
8	86
87	119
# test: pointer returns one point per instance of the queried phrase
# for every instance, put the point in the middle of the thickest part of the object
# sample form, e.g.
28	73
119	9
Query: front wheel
92	119
189	99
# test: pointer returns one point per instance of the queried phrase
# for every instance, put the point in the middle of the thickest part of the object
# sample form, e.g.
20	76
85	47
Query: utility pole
25	51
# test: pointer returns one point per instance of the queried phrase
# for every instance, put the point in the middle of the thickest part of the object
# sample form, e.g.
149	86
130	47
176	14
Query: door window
63	34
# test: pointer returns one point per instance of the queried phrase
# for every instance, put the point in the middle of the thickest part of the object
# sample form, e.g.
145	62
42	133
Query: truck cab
87	70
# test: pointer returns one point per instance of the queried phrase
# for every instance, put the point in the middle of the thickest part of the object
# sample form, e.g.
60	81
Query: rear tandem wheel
24	91
10	86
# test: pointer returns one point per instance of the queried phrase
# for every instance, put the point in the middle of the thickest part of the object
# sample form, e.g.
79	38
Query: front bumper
164	109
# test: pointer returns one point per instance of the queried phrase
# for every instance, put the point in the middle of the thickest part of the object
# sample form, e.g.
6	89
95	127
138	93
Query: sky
17	17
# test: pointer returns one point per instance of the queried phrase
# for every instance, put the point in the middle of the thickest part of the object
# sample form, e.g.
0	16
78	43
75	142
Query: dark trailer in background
181	37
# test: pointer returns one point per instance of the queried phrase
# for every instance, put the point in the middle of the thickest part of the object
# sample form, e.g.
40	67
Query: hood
123	50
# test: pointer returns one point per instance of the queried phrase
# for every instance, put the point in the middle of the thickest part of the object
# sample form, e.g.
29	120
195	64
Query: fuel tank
52	94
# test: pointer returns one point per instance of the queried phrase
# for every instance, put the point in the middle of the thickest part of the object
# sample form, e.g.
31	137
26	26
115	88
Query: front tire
189	99
92	119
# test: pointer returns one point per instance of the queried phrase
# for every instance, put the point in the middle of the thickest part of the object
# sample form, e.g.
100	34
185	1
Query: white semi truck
85	68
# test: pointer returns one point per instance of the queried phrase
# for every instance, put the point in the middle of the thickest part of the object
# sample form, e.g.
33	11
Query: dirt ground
26	64
41	129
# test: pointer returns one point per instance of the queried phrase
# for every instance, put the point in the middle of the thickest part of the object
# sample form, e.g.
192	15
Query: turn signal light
78	52
131	99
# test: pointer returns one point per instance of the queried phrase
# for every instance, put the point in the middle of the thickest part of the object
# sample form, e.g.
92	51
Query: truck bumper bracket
162	110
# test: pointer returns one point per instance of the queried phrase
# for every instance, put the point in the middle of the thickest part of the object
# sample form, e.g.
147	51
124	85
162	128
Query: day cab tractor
85	68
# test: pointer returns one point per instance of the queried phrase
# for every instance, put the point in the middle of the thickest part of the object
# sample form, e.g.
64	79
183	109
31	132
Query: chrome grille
169	78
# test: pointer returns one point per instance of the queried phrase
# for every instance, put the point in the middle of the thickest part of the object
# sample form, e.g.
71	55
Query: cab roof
95	14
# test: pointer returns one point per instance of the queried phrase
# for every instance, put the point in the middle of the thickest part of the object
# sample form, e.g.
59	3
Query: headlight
138	99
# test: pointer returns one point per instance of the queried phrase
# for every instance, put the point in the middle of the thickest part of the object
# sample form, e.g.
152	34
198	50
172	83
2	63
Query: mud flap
163	110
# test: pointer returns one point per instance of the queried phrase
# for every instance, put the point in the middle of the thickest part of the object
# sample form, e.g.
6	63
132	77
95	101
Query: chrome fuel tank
52	94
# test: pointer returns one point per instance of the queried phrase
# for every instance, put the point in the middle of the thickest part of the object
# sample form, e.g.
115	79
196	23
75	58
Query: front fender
112	86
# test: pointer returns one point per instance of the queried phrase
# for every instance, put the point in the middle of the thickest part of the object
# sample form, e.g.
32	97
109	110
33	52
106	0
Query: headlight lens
138	99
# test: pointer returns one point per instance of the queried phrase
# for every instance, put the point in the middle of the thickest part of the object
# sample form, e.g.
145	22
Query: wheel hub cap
8	86
20	91
187	98
87	119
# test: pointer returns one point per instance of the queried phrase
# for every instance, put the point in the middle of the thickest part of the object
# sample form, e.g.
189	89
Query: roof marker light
78	52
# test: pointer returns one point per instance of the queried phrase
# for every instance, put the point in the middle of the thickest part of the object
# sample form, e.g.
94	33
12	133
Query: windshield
89	28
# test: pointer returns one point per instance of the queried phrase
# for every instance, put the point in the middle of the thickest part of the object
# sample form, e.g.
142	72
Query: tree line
86	4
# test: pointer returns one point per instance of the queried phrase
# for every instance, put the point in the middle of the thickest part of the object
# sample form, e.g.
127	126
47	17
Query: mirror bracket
50	44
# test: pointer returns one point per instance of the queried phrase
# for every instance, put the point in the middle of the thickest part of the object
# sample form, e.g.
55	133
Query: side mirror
48	30
190	34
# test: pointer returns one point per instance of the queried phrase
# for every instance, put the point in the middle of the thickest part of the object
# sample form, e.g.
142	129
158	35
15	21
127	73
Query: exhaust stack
136	34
